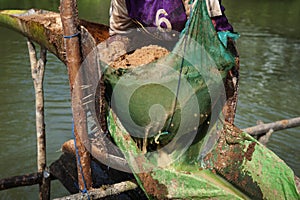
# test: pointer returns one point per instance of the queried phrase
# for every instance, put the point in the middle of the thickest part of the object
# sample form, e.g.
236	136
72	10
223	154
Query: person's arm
119	21
213	7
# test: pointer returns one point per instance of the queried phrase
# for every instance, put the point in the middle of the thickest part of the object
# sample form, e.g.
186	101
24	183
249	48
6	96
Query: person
124	14
162	20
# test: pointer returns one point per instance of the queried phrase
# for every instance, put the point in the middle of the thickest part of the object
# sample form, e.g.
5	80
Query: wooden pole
101	192
275	126
232	85
70	23
24	180
37	72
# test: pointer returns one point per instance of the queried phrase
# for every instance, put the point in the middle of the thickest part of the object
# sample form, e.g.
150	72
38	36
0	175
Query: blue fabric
223	35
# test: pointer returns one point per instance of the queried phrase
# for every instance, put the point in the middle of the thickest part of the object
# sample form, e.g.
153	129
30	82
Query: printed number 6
160	20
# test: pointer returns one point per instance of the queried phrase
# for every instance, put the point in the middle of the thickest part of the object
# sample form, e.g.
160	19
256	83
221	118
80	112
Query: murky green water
270	77
269	84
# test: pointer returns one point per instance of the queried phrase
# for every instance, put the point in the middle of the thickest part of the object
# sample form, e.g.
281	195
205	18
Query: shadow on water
269	85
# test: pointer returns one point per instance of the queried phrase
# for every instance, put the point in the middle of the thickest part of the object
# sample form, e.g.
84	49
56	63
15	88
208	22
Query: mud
140	57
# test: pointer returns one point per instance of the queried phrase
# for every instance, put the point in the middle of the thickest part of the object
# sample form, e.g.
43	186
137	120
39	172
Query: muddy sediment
139	57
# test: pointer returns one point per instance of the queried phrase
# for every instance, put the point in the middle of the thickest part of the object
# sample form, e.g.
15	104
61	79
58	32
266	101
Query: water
18	140
269	84
270	78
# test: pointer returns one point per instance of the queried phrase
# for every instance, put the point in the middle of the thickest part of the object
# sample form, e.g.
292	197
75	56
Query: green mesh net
169	100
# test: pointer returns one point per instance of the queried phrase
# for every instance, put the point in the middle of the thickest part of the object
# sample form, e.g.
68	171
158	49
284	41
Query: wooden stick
24	180
37	72
264	139
276	126
70	23
103	192
232	85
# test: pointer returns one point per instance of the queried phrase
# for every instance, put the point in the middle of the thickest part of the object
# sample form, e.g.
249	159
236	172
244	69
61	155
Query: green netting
191	77
143	98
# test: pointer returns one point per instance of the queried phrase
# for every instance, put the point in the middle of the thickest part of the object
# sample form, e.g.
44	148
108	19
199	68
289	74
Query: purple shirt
222	23
166	14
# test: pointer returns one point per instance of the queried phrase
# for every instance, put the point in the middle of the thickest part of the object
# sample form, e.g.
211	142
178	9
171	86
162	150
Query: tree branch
276	126
103	192
37	73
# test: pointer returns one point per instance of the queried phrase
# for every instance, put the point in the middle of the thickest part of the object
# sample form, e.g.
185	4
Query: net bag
170	99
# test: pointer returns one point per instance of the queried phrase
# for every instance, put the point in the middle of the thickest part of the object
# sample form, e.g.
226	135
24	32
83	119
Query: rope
84	191
71	36
180	74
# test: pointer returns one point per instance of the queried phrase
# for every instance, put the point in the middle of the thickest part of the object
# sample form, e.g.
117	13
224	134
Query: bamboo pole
37	72
70	23
108	191
275	126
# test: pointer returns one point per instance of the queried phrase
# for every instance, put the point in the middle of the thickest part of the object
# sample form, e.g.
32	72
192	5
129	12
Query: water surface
269	48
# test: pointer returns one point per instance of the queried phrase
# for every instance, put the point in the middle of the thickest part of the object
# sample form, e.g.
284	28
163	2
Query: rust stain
152	186
250	150
227	160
